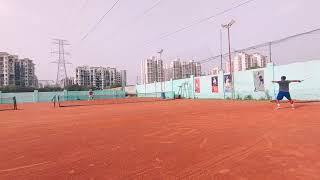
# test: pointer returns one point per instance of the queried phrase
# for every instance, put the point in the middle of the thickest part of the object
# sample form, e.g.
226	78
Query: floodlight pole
221	68
160	58
228	26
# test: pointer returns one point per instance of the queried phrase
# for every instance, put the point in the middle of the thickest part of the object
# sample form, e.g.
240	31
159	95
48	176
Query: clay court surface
181	139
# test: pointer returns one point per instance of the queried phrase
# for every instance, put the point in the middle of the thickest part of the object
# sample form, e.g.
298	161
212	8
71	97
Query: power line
205	19
151	8
100	20
266	44
139	17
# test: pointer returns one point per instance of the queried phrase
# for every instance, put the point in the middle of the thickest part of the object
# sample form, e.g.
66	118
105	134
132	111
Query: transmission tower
62	76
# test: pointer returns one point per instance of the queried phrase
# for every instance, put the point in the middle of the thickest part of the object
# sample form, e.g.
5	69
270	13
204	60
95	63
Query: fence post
221	83
155	88
114	94
65	94
171	81
35	96
193	87
270	68
145	89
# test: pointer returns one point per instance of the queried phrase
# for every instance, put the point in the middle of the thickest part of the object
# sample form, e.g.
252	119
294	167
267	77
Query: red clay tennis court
182	139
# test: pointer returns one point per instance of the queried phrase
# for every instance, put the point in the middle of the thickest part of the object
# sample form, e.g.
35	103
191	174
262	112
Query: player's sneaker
292	106
278	106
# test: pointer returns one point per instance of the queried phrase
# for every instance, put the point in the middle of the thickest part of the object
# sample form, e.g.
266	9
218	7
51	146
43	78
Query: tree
76	87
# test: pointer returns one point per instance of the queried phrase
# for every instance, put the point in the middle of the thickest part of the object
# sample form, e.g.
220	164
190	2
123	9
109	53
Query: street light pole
228	26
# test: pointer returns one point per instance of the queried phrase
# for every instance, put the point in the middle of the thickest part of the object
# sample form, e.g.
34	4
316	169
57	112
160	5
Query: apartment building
243	61
99	77
17	72
152	70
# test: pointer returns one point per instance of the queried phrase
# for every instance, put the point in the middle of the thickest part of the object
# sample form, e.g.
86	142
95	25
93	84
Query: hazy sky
130	33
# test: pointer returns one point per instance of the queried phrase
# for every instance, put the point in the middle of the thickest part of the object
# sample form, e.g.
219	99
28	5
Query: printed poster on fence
197	85
258	80
214	82
228	83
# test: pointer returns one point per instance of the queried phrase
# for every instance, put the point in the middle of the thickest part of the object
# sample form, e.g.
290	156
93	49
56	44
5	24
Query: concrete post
35	96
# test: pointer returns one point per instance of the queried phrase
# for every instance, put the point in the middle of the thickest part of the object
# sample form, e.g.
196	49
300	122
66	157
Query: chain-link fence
297	48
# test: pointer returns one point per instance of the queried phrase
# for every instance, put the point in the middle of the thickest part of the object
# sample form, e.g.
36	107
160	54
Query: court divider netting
86	100
8	103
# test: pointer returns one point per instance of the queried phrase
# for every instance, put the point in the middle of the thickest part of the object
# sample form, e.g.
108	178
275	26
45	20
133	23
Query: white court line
23	167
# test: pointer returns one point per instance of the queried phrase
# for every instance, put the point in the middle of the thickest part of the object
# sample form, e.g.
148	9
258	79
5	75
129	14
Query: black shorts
282	94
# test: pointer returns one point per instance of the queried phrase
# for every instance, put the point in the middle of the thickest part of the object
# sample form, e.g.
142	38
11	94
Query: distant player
91	95
15	106
54	100
284	90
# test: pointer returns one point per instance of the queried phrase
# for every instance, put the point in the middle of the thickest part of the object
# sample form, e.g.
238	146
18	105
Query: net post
35	96
0	97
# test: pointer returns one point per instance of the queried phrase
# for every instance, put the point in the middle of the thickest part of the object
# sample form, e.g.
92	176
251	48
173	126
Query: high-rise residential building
17	72
190	68
168	73
214	71
118	78
185	70
259	60
160	71
242	62
82	76
198	71
99	77
113	76
152	70
25	73
121	78
176	69
148	71
123	74
7	69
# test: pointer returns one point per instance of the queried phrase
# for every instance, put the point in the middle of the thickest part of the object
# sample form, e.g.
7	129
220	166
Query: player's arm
298	81
275	81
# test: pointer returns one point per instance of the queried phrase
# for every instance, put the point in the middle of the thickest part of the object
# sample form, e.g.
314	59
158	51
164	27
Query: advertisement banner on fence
197	85
258	80
214	82
227	83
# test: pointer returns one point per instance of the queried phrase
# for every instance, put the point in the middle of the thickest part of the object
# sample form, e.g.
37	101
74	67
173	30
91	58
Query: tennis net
85	100
8	103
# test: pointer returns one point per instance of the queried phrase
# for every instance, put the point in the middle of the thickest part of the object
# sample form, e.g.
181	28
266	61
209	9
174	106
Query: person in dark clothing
15	106
284	90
